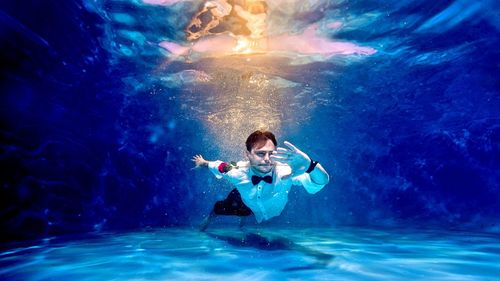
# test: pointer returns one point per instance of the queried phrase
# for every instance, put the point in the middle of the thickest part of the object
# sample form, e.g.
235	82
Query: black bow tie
257	179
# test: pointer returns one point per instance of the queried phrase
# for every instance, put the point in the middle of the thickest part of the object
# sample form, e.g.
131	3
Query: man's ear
247	154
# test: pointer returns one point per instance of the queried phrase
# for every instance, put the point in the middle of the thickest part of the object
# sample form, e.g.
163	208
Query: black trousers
232	205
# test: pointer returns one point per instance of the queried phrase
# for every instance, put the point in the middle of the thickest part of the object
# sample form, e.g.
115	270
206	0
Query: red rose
223	168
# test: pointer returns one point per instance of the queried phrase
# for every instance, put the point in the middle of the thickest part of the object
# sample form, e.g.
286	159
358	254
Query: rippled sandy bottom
226	253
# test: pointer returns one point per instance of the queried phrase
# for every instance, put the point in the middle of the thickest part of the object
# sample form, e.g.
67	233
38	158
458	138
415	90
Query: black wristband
312	166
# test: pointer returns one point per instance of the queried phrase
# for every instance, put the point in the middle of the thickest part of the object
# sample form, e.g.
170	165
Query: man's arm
218	168
319	175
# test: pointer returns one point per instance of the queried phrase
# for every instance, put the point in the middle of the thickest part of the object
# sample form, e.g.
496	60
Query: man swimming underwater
263	181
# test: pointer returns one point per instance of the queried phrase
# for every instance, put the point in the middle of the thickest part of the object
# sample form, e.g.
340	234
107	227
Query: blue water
260	254
101	113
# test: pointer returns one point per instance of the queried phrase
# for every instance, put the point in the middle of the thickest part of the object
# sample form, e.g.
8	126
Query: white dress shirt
266	200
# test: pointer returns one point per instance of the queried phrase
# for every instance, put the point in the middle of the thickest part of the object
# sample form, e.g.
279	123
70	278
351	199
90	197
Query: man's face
260	157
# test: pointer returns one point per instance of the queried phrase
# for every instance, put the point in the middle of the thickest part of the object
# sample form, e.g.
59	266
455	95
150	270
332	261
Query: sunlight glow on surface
252	26
233	84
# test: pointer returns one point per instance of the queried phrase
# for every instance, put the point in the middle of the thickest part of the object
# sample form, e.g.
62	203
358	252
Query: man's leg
231	206
204	224
243	220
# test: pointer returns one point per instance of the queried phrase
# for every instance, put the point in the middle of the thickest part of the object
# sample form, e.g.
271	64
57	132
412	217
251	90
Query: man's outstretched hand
199	161
294	157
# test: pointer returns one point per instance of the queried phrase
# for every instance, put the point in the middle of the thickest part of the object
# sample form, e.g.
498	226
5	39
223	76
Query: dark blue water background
93	139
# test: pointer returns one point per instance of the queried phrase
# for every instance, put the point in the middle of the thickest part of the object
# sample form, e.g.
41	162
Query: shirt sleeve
305	180
235	175
213	166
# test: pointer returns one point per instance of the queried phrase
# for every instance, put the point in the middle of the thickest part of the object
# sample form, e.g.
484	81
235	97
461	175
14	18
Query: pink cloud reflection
307	43
162	2
334	25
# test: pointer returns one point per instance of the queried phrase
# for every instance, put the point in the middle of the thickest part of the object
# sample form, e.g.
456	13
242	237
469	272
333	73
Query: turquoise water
227	253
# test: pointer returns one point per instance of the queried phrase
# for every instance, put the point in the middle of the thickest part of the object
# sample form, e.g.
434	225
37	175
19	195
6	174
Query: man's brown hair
259	136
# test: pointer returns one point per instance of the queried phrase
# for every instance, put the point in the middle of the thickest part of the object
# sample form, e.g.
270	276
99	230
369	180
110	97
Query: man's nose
267	157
